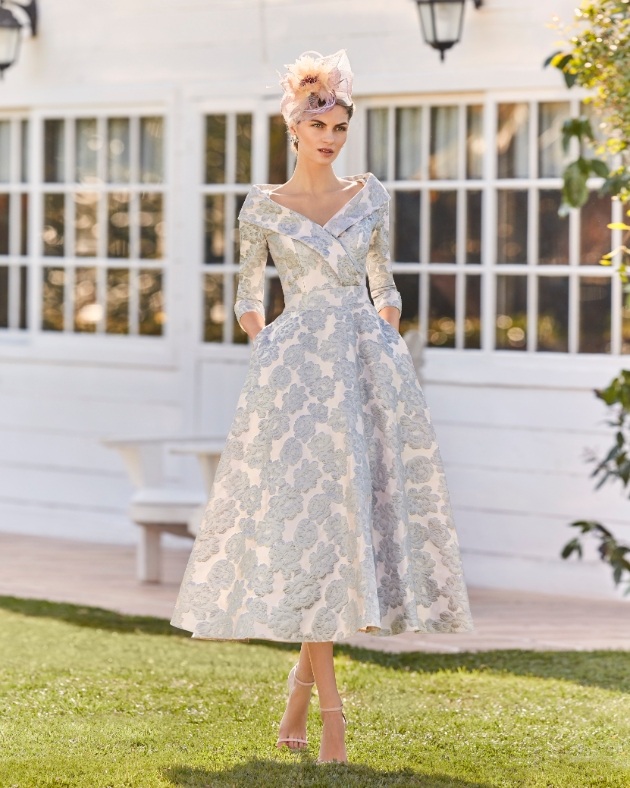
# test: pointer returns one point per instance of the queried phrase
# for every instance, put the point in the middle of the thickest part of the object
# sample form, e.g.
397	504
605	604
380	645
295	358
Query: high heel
345	725
292	680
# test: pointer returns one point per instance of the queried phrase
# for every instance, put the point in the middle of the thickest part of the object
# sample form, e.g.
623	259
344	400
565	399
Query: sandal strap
299	681
336	708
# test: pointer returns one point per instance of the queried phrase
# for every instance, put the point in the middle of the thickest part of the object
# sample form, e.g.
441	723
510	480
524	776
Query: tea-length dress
329	512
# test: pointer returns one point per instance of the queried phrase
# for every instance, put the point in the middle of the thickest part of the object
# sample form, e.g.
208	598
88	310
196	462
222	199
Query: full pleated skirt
329	514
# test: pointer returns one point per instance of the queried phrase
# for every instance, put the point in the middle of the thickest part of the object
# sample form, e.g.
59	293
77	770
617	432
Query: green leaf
599	168
574	546
575	190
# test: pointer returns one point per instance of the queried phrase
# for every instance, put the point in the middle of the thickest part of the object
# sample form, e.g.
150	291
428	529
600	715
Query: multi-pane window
478	245
15	199
431	158
227	178
102	220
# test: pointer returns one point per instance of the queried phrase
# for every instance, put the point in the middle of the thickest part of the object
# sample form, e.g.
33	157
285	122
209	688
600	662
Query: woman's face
321	137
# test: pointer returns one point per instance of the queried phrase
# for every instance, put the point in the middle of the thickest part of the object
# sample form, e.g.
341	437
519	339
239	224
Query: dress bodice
308	256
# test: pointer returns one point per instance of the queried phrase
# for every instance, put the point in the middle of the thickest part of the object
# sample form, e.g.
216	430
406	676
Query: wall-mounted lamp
442	22
14	17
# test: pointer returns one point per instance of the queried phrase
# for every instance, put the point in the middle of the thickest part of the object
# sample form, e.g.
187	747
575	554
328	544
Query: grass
92	699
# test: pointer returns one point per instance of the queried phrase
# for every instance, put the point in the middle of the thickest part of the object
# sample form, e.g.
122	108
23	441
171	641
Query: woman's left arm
385	295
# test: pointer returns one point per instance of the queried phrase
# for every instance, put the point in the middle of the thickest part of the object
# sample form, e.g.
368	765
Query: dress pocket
262	331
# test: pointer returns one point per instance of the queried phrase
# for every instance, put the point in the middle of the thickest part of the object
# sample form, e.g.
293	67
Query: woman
329	513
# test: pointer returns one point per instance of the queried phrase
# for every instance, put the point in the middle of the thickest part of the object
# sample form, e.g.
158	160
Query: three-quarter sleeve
379	267
251	272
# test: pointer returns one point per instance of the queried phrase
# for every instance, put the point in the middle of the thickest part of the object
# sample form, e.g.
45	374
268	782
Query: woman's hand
252	323
391	315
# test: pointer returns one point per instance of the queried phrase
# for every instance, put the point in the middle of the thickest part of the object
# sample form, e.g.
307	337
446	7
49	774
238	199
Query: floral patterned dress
329	512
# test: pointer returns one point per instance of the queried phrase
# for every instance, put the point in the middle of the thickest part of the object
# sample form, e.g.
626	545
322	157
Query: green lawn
92	699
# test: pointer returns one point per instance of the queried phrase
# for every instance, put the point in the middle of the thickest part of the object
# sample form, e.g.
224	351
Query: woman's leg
293	723
333	733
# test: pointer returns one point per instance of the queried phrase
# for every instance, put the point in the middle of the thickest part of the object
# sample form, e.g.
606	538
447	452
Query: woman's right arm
249	306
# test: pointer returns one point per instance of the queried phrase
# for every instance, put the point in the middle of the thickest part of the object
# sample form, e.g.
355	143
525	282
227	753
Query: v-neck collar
265	189
259	209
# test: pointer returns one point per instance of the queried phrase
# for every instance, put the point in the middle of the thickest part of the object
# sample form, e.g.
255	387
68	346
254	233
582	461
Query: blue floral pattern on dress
329	512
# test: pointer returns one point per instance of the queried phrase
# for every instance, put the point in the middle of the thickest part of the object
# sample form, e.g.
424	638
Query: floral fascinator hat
314	84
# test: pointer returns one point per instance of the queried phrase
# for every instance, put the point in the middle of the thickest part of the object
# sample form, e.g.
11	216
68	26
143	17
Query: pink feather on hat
314	84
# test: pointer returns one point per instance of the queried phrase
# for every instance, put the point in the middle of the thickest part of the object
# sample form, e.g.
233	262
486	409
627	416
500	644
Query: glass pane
443	162
86	224
215	229
595	237
151	315
151	150
151	227
118	142
472	320
243	148
23	316
474	207
24	158
511	322
407	227
214	308
595	295
5	151
377	142
117	317
512	141
551	158
553	230
239	199
409	288
54	152
54	224
87	312
88	144
408	143
475	147
443	227
511	226
215	149
24	215
118	224
442	310
4	223
274	297
52	298
278	150
4	296
553	313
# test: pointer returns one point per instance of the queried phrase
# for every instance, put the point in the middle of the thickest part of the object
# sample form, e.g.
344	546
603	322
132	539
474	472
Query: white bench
158	505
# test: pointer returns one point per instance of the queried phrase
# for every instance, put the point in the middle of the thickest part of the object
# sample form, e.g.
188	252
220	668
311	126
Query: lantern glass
441	21
10	34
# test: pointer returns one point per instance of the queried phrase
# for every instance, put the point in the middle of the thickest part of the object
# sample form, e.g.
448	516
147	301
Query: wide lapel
261	210
371	197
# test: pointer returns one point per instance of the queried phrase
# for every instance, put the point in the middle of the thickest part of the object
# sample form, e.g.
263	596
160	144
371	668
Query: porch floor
103	575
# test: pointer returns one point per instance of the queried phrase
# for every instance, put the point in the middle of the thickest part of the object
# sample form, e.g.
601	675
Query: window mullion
616	316
489	230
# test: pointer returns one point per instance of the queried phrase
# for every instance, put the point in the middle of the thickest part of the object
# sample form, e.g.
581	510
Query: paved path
104	576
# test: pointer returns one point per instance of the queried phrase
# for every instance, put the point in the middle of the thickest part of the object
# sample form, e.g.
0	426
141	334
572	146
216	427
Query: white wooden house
130	132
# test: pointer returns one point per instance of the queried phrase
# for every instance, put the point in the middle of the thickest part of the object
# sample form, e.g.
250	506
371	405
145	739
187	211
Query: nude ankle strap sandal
292	680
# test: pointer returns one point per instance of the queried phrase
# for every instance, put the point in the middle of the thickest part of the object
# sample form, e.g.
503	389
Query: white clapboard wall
512	429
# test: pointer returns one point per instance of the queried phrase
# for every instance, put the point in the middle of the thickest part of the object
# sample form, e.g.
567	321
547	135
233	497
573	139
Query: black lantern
13	18
442	22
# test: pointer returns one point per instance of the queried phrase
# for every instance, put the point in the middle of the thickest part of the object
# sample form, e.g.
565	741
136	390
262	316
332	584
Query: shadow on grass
604	669
306	774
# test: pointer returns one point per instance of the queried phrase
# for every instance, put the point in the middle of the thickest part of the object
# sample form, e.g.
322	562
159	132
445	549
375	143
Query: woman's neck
312	178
